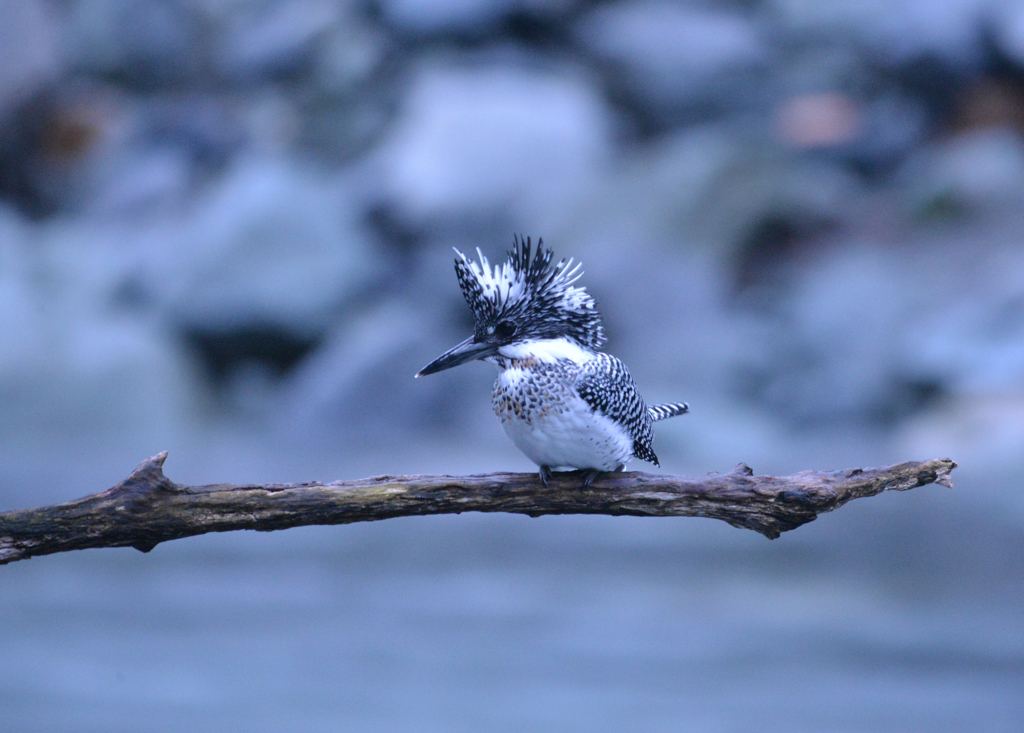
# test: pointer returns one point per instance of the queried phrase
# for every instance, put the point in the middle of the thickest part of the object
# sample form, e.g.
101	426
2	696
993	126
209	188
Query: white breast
571	440
548	351
547	420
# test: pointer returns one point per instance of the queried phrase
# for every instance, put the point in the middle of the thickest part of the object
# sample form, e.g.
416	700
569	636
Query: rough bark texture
147	508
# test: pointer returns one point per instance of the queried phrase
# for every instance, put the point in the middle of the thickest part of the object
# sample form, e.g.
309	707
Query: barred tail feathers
667	410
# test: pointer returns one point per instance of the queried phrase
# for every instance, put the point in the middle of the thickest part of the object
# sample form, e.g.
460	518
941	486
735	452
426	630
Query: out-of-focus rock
894	31
351	92
835	349
489	136
472	18
877	332
425	17
827	96
147	44
894	125
991	101
93	150
966	174
1008	28
29	52
984	430
767	207
975	340
42	149
348	54
268	261
72	365
158	154
273	241
246	282
273	39
341	128
358	388
670	57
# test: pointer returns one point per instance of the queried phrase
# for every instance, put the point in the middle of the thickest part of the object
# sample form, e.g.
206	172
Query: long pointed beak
468	350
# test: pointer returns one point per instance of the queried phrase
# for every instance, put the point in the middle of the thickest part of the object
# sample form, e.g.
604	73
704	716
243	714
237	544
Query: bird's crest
538	297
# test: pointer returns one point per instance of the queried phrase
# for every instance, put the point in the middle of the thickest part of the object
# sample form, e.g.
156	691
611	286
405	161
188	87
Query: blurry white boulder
983	430
479	137
973	335
274	242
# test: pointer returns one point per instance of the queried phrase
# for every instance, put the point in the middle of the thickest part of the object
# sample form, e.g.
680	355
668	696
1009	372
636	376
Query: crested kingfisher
564	403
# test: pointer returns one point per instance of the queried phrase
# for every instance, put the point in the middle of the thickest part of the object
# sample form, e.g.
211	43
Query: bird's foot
589	474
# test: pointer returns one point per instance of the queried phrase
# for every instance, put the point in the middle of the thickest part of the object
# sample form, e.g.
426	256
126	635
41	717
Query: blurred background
226	231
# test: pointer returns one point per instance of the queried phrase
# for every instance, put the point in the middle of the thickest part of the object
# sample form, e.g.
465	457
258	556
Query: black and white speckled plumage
561	401
606	385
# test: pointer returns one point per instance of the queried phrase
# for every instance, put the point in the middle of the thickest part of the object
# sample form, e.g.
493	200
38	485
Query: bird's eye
505	330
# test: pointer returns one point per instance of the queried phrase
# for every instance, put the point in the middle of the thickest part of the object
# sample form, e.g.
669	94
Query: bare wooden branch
147	508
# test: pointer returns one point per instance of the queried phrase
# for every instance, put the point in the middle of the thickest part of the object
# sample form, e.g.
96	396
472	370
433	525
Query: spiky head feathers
528	298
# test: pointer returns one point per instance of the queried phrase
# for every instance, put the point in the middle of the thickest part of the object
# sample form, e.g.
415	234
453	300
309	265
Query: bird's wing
605	384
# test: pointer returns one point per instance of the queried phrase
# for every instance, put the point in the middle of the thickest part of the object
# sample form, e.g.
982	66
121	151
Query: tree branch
147	508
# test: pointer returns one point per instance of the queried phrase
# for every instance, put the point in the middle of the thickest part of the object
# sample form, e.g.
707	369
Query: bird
563	402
